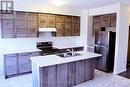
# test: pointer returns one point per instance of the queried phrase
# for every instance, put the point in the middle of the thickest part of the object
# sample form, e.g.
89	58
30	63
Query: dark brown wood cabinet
21	24
68	26
113	20
60	25
75	26
7	28
51	21
46	20
66	74
25	24
108	20
42	20
32	24
105	21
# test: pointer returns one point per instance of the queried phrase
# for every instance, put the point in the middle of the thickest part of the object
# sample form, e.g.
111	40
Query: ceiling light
58	2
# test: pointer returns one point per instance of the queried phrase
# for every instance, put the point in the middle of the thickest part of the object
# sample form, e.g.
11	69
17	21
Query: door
101	62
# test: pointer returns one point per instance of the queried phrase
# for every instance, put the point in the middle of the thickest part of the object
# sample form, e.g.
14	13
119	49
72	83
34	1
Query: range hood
47	29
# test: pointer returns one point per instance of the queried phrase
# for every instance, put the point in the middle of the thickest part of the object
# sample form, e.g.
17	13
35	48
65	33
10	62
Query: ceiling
70	4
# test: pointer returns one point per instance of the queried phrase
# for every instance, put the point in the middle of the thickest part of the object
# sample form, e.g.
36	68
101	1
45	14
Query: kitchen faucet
71	51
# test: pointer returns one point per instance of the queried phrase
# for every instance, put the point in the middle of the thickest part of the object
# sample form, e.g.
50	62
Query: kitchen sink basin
65	55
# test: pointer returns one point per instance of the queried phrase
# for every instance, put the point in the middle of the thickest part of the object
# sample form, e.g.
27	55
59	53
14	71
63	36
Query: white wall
84	28
121	32
122	39
43	6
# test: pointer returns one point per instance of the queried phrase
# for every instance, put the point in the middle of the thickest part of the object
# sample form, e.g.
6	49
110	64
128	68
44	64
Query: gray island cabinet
54	71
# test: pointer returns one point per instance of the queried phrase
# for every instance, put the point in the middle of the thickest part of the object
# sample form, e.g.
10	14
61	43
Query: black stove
47	48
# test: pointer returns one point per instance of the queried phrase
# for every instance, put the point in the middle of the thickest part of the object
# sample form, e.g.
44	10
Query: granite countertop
49	60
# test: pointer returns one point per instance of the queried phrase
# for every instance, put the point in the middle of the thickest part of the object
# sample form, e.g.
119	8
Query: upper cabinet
108	20
25	24
60	25
75	26
7	28
42	20
32	22
68	26
21	23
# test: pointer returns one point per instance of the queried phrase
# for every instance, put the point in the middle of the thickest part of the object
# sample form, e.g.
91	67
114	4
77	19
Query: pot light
58	2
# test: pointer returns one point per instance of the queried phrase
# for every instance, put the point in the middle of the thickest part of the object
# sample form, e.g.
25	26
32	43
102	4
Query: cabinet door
32	25
113	20
105	20
79	72
60	25
51	21
42	20
68	26
71	74
24	62
89	67
7	28
21	24
10	64
75	26
62	75
96	22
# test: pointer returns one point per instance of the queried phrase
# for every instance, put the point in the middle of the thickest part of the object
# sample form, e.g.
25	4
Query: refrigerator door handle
101	46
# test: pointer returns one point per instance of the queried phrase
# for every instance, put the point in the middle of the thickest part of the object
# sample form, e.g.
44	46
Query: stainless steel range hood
47	29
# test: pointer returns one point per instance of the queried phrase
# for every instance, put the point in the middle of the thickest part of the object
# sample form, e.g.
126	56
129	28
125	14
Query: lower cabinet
10	64
18	63
24	64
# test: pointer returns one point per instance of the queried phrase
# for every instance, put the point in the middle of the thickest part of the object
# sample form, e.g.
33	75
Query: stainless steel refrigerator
105	45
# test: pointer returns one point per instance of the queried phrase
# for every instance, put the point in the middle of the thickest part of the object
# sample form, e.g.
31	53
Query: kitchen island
55	71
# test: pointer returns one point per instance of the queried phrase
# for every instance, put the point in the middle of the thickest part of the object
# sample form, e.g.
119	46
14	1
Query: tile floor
101	80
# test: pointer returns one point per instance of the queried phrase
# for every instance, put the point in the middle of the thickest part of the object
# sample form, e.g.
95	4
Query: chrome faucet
71	51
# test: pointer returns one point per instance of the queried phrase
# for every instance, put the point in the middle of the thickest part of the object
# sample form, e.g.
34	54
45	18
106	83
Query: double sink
68	54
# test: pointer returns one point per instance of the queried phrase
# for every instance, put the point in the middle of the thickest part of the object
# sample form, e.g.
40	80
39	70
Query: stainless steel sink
65	55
